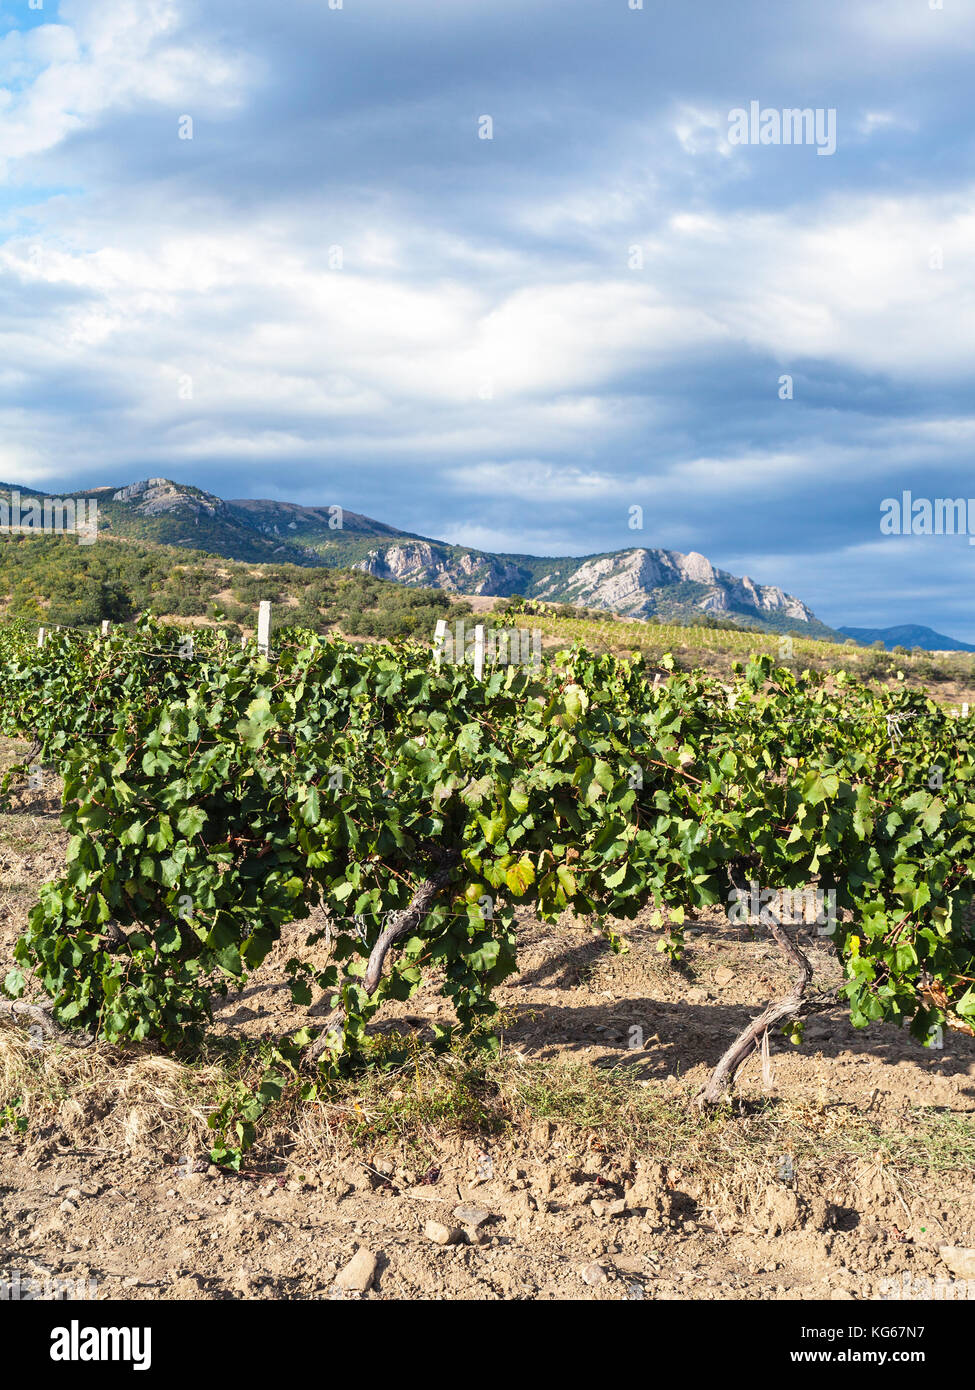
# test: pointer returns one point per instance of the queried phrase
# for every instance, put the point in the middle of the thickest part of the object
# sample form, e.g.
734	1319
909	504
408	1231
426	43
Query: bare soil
842	1169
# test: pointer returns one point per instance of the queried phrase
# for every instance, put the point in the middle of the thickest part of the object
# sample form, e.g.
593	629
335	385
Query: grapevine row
213	800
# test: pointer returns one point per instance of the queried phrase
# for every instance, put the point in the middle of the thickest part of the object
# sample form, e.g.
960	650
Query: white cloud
63	77
486	342
702	132
909	25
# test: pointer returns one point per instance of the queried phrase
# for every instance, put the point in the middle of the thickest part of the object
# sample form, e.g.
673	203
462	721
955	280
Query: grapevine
214	797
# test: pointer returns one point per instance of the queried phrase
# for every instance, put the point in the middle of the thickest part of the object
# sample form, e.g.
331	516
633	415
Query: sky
268	249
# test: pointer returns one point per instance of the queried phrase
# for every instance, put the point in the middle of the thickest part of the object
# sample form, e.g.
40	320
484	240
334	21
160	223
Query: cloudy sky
338	291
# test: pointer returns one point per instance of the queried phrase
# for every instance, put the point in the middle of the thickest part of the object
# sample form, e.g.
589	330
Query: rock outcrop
636	583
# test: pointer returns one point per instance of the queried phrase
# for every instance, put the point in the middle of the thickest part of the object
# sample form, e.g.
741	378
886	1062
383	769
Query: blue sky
491	362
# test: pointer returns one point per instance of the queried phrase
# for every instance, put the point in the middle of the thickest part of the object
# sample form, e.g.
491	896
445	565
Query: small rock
594	1274
617	1208
959	1259
358	1274
469	1215
441	1234
723	976
485	1167
67	1207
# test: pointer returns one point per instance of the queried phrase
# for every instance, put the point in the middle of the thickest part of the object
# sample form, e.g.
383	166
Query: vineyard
215	794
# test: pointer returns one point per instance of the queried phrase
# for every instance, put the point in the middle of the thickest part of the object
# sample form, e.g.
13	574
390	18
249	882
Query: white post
264	628
243	642
479	651
439	633
41	634
106	625
537	647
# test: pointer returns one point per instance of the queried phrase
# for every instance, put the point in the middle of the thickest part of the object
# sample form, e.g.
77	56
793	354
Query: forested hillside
56	581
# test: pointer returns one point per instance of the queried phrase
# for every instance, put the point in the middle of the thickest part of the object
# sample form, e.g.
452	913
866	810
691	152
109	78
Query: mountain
907	635
636	583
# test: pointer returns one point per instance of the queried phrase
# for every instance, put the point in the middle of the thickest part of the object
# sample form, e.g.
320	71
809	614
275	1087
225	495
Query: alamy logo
77	1343
920	1288
791	126
908	515
794	907
503	646
20	1288
49	516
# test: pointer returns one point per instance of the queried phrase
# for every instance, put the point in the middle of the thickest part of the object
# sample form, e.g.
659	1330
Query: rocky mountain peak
155	496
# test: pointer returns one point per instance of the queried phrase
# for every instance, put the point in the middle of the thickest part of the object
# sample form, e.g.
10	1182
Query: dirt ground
843	1168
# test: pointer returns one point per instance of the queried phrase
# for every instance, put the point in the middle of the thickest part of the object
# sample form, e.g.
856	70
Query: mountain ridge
639	582
907	635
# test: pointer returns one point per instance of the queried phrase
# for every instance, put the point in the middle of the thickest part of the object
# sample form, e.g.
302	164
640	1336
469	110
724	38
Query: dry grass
413	1101
109	1098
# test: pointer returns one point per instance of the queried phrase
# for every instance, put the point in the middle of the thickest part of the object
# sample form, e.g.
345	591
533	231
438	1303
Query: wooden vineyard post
479	652
264	628
439	633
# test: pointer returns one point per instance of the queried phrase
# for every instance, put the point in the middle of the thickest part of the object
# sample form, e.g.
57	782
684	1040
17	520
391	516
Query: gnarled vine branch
407	919
723	1076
